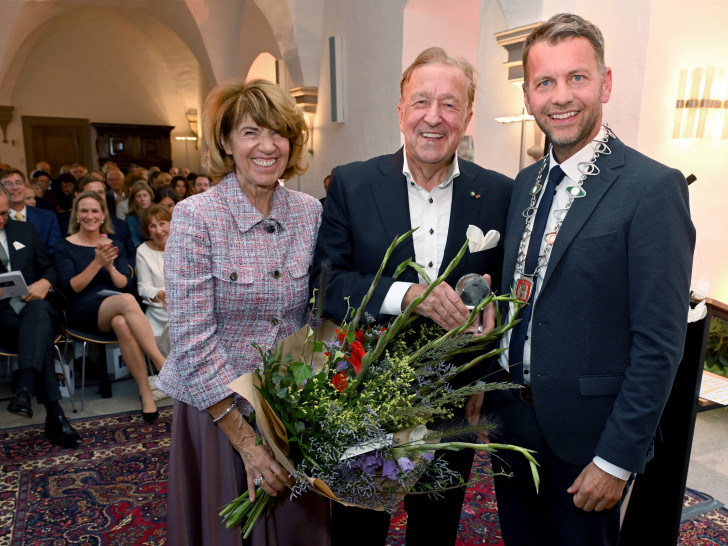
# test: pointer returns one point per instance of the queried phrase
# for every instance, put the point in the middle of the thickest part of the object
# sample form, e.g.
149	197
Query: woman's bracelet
224	413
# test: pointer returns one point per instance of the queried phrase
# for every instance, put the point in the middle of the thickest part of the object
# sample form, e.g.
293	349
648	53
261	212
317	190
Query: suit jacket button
276	274
234	276
274	321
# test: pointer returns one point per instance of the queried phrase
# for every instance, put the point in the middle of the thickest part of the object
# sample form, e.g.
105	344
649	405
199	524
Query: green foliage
716	350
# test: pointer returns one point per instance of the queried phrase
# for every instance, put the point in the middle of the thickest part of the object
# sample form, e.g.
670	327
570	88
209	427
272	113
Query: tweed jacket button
234	276
274	321
276	274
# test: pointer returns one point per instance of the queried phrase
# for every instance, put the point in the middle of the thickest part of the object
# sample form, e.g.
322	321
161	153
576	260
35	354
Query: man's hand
443	305
37	291
596	490
472	414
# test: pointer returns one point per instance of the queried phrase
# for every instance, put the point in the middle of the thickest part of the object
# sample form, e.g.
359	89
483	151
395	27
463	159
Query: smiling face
143	199
29	197
565	92
90	215
16	188
260	155
158	231
433	115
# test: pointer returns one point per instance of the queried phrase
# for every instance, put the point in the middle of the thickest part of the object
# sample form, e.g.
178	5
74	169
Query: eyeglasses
11	183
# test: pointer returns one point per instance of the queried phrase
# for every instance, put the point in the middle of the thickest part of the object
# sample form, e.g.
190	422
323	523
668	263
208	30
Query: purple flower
341	366
429	455
405	464
389	469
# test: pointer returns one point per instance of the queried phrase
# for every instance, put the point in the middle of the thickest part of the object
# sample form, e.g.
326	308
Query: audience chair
85	338
8	355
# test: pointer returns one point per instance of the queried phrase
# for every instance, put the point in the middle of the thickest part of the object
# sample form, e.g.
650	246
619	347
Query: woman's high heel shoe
149	417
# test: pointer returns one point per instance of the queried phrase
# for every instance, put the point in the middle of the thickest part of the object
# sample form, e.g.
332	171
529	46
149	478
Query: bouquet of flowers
345	407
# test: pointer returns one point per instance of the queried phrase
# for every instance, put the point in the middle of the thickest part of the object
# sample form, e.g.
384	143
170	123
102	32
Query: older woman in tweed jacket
236	270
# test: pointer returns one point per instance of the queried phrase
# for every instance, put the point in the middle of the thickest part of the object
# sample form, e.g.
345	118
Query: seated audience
150	271
28	325
115	183
166	197
36	189
122	208
201	184
66	183
95	275
140	198
45	222
44	178
182	187
78	171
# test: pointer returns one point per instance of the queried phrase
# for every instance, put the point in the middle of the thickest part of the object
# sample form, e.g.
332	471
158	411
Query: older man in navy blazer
599	245
28	325
45	222
426	186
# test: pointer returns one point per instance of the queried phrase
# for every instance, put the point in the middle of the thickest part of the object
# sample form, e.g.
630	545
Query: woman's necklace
574	191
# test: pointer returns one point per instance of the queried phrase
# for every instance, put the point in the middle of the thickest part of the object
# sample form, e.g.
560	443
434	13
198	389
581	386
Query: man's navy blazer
47	225
28	254
608	326
367	208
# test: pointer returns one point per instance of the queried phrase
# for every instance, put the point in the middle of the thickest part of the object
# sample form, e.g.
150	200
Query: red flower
341	334
360	336
357	353
339	381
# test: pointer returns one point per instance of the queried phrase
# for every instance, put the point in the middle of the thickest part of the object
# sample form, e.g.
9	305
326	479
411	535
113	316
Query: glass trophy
472	289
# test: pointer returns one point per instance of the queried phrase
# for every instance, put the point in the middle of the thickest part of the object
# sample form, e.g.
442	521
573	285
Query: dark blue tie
518	334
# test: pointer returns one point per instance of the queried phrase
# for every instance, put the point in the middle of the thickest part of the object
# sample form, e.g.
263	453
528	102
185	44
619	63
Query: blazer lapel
520	200
391	204
463	210
581	209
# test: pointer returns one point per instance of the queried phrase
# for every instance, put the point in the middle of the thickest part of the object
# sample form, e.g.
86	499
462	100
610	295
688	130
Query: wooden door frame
31	122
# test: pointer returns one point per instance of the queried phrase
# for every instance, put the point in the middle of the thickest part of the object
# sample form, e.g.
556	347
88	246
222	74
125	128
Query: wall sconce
307	100
187	140
535	151
701	109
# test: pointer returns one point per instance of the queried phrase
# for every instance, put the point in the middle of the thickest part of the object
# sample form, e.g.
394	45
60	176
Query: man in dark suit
423	185
45	222
607	284
28	325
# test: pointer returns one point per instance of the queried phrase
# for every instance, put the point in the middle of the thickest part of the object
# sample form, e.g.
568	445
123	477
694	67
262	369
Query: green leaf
282	392
301	372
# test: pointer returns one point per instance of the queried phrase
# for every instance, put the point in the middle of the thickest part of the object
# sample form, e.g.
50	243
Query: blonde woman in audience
141	197
95	276
150	271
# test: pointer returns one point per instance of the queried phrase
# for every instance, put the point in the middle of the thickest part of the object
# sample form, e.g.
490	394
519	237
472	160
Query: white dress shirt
430	212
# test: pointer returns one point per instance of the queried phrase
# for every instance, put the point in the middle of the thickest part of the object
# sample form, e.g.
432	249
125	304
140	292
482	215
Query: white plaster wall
372	53
100	65
681	38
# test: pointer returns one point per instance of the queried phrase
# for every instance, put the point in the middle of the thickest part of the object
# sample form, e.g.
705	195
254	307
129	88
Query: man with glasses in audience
44	221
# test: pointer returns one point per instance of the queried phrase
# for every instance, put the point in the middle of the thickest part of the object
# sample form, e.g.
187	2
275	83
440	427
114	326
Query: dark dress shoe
60	432
20	403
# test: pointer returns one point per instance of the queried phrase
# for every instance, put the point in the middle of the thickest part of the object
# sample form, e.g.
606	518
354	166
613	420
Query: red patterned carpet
113	490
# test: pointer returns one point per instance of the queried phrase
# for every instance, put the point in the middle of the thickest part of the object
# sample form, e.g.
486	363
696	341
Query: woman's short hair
107	225
136	188
160	212
268	106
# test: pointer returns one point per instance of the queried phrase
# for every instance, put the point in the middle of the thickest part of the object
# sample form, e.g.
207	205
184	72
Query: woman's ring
258	481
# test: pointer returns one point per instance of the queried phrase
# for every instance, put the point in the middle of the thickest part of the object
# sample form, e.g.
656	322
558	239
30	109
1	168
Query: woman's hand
258	461
105	254
161	297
